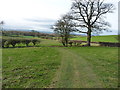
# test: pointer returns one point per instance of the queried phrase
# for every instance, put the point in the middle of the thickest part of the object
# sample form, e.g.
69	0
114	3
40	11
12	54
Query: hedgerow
6	42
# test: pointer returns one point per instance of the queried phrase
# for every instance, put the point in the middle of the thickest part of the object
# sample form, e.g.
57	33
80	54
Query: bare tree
90	16
1	23
63	28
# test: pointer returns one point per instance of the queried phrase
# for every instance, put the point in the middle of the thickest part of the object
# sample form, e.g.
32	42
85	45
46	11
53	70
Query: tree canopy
89	15
63	28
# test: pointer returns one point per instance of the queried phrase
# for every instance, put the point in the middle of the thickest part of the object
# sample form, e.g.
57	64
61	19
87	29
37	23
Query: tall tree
63	28
1	23
90	16
1	28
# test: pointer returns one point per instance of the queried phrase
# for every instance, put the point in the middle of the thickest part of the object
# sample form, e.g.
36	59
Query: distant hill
51	32
105	38
48	32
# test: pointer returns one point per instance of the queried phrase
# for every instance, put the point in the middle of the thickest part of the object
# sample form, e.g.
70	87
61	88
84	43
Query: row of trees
85	16
33	33
26	33
1	23
6	42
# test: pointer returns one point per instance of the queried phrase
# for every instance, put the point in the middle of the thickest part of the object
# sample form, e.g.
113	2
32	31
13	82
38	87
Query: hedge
109	44
6	42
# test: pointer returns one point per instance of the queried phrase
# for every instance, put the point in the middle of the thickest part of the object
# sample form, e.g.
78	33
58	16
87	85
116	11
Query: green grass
29	67
29	37
60	67
20	36
87	67
47	42
108	38
104	61
44	43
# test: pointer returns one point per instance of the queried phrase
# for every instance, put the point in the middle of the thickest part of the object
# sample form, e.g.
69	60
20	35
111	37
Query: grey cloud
32	23
119	17
44	25
41	20
5	27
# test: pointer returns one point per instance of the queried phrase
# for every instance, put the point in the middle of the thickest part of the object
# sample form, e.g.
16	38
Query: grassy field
29	67
60	67
103	61
108	38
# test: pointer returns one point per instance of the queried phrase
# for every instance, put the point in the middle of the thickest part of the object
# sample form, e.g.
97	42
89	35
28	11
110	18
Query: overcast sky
41	14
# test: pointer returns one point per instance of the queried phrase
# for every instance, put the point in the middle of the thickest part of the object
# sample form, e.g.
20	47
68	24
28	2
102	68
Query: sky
40	15
119	18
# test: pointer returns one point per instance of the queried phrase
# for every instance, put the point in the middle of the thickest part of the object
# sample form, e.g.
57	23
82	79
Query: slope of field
108	38
94	71
29	67
104	62
60	67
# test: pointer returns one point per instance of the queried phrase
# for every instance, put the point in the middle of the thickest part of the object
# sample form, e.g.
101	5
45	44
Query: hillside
107	38
59	67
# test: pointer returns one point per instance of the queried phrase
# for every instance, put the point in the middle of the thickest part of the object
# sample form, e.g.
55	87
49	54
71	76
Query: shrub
3	42
26	41
13	41
35	41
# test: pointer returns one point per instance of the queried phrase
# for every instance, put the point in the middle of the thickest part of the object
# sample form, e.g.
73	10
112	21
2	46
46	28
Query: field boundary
109	44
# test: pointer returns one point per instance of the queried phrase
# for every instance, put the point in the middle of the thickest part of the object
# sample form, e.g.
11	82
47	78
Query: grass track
81	67
86	68
75	72
104	61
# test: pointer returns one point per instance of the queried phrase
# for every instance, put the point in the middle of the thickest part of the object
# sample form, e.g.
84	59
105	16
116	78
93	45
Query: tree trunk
66	41
63	42
89	37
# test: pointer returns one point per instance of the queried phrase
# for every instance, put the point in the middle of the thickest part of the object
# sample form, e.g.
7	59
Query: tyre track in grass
74	72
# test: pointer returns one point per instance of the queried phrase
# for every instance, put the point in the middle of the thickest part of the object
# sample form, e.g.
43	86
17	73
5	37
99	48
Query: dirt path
74	72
